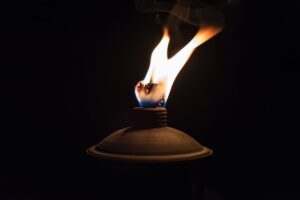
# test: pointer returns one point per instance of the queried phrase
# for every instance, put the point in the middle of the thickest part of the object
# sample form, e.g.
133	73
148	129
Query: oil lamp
150	160
149	139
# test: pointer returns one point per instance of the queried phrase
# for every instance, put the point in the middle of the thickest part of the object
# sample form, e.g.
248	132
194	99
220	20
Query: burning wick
154	90
151	93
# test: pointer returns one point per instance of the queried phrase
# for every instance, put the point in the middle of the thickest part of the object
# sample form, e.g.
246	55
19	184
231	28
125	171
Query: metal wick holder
149	140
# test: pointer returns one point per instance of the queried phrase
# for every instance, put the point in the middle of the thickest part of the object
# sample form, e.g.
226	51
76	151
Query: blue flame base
150	104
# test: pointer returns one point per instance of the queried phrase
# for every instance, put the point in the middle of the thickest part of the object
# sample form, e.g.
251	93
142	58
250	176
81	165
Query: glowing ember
154	90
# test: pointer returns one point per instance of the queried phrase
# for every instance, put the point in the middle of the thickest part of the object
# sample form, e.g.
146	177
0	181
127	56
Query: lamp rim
204	152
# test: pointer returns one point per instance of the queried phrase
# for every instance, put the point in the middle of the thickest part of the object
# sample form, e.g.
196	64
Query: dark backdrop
68	70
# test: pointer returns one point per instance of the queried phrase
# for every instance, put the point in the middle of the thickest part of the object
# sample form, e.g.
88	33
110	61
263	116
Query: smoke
194	12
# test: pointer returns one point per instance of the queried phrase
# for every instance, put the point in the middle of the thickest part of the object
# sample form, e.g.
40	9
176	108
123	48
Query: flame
154	90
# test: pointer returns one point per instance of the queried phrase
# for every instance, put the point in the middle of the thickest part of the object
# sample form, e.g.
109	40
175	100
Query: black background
68	70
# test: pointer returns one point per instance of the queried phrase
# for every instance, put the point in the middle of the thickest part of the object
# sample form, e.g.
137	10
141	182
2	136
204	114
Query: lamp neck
150	117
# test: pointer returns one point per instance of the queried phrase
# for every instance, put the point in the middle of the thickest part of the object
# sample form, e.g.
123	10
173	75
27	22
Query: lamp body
150	160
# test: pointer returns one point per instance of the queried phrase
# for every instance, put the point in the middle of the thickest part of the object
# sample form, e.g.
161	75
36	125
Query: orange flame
154	90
